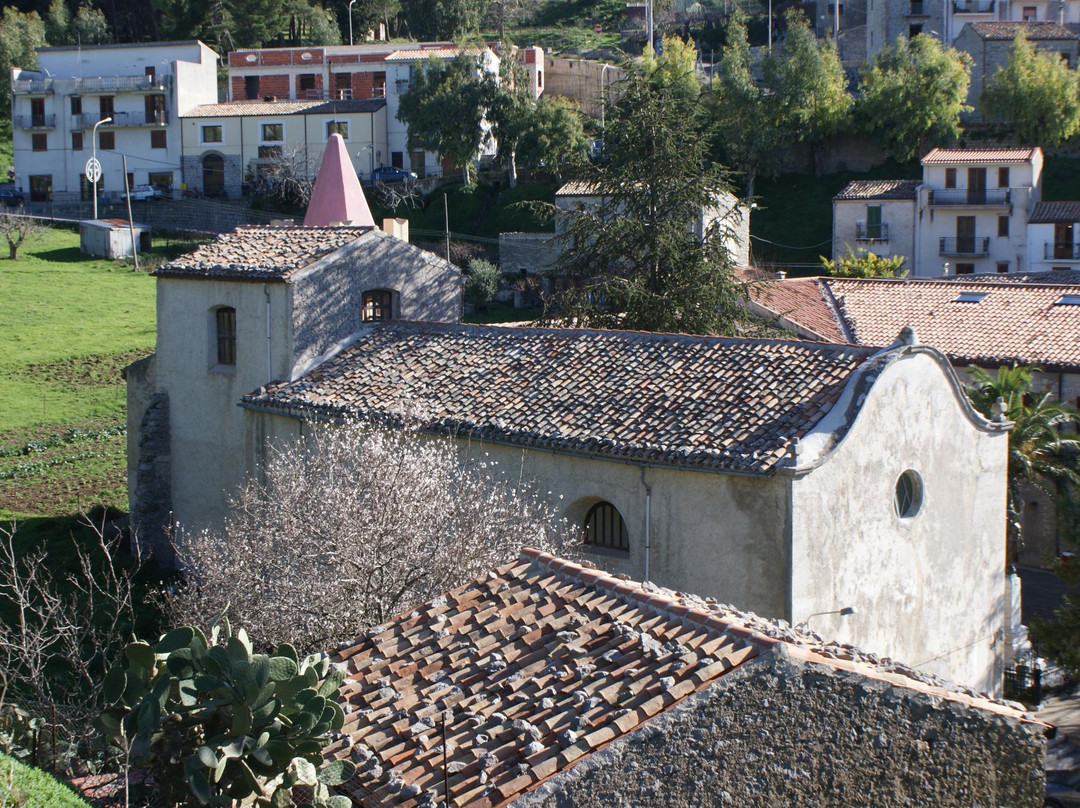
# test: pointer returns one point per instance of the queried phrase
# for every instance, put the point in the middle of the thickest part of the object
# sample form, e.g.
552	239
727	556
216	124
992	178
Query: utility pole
131	224
446	220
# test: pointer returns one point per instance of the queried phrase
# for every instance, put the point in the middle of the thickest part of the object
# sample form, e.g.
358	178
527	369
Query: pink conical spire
337	197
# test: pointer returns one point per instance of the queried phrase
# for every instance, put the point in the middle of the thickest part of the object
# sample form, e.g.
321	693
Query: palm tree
1039	454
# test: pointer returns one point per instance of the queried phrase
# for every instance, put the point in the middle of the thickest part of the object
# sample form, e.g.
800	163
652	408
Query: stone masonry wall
151	510
531	252
781	732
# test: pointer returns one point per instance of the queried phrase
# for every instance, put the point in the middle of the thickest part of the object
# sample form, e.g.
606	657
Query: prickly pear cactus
215	724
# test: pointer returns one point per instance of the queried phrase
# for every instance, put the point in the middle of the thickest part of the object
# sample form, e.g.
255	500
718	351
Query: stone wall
149	462
779	732
528	252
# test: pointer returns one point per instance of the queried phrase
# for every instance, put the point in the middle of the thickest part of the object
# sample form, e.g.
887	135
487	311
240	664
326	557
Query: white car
142	193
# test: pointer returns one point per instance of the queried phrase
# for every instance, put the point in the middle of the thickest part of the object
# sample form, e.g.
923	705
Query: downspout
648	521
269	363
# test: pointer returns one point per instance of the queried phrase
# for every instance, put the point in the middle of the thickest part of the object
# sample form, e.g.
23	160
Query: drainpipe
648	521
269	362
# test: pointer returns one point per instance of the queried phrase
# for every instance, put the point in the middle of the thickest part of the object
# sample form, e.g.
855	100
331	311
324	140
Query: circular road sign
93	170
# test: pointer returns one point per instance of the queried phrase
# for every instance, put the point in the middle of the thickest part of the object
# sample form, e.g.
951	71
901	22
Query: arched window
604	527
225	334
376	305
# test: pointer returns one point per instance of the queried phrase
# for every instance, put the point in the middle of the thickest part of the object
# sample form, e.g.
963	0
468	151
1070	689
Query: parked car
143	193
11	199
391	174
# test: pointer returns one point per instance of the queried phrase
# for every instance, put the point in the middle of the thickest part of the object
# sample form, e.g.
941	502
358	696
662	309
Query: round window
908	496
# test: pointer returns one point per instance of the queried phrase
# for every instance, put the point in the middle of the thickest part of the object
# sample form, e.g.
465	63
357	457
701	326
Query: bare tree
289	175
17	227
391	195
350	529
64	634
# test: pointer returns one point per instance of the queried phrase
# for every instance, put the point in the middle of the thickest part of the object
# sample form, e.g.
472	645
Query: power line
789	246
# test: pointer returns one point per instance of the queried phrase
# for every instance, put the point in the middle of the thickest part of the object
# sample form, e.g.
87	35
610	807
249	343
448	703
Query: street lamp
93	149
846	611
603	96
351	4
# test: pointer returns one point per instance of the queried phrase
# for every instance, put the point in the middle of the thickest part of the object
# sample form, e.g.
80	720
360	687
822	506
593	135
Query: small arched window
604	527
376	305
225	332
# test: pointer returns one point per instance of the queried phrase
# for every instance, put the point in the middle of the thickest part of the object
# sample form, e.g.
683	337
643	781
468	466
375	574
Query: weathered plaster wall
897	216
928	590
326	301
780	732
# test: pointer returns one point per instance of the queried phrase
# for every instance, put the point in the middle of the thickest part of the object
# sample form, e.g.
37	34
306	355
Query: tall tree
1036	94
912	95
444	108
443	19
20	34
636	259
740	110
807	86
554	138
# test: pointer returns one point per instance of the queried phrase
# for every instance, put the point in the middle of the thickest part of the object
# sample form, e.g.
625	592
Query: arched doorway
213	175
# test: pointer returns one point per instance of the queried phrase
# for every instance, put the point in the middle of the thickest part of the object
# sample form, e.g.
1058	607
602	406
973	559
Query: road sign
93	170
598	29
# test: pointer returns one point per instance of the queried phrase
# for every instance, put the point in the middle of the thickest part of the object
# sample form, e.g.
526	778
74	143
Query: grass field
69	325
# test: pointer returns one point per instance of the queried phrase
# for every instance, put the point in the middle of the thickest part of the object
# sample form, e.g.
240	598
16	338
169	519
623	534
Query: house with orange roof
550	683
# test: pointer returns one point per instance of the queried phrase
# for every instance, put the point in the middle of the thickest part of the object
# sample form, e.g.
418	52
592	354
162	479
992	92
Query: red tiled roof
968	156
416	54
879	189
712	402
807	300
1012	322
1033	29
232	109
261	253
1051	212
539	664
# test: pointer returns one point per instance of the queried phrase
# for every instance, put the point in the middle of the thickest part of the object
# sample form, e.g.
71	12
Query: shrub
23	786
482	280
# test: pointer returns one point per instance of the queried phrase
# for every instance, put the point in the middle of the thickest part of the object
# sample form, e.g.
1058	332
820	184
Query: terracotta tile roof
261	253
879	189
1064	277
420	54
1000	322
1050	212
234	109
1008	29
539	664
807	300
966	156
703	402
577	188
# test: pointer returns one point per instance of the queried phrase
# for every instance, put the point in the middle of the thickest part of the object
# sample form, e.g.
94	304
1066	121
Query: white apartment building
343	72
142	88
970	213
1054	236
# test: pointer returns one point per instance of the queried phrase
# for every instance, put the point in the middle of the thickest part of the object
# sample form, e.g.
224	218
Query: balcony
32	86
873	232
110	84
973	6
970	198
969	246
35	121
1061	251
121	119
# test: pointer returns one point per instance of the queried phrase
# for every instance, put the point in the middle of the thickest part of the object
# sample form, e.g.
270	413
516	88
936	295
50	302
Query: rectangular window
1003	177
151	74
40	141
1030	14
273	132
154	107
378	85
86	188
159	139
950	177
211	133
107	140
161	180
129	181
337	128
226	336
76	141
1003	226
105	107
873	221
1002	267
965	269
376	306
76	105
397	159
305	85
251	87
41	187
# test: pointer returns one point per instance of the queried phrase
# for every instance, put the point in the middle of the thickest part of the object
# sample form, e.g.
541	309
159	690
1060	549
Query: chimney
398	228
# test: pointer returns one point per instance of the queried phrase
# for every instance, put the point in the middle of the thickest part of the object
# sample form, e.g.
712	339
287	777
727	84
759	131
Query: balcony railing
1061	250
94	84
996	197
121	119
33	86
871	232
35	121
973	6
964	246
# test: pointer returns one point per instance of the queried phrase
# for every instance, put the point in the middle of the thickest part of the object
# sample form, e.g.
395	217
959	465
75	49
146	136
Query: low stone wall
149	463
778	732
529	252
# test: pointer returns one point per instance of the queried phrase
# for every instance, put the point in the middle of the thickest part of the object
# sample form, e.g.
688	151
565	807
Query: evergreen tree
637	259
912	95
1036	94
20	34
807	87
443	19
